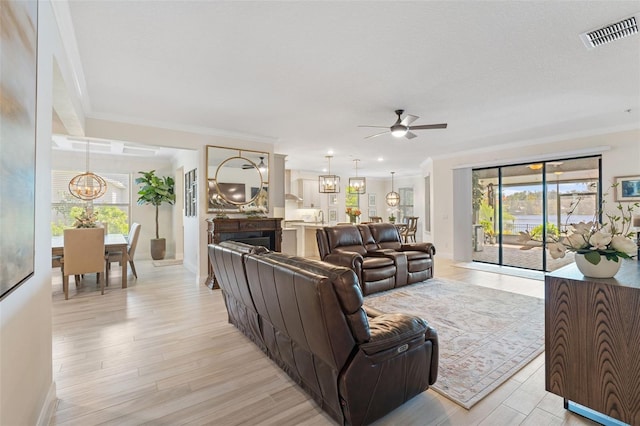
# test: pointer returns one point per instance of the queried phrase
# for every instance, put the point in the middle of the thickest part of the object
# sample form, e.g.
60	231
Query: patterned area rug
485	335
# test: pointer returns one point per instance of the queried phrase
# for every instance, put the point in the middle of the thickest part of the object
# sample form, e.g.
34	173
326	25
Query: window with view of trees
112	209
405	208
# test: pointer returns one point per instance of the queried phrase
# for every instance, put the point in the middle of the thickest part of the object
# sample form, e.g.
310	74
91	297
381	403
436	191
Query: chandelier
329	184
357	185
87	186
393	198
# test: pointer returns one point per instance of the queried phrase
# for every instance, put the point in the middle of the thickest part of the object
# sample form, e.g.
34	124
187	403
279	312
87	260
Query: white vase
604	269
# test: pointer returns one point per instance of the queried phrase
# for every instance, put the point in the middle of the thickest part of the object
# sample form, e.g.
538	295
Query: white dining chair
116	256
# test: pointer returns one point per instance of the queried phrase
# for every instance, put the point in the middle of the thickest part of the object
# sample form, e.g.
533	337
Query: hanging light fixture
357	185
393	198
329	184
261	166
87	186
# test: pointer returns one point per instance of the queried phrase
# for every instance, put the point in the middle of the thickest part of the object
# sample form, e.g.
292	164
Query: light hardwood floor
162	353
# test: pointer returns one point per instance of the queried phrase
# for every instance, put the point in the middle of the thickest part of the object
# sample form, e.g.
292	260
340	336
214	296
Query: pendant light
393	198
329	184
357	185
261	166
87	186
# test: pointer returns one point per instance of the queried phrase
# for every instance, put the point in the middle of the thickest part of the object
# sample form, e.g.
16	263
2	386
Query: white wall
188	160
620	156
26	385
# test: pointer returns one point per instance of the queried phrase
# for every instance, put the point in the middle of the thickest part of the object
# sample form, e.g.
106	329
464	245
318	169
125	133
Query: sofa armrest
372	312
390	331
425	247
348	259
380	252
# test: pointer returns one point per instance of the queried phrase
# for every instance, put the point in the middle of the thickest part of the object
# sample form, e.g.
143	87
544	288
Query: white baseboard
49	406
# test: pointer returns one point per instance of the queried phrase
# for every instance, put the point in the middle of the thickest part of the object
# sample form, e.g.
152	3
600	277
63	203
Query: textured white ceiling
306	74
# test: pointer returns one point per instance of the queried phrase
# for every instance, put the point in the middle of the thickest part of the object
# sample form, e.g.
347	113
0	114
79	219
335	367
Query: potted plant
392	218
156	191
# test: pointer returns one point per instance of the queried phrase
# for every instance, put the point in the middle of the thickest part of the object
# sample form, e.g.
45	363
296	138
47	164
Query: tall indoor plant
156	191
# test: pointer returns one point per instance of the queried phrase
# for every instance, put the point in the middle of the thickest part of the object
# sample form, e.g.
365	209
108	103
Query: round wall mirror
238	181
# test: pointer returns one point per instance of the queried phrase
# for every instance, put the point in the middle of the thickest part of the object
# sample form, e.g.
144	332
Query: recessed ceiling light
380	159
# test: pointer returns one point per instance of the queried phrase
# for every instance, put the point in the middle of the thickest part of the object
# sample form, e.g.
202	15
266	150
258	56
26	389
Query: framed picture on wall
18	143
333	215
627	188
333	200
372	200
372	213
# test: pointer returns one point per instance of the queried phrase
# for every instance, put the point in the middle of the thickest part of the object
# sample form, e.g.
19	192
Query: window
112	209
405	208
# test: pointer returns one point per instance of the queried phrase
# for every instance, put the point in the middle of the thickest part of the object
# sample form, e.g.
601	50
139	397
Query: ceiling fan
402	126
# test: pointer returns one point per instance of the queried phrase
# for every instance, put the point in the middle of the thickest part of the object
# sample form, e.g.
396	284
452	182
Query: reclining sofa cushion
304	327
419	256
316	329
343	245
227	260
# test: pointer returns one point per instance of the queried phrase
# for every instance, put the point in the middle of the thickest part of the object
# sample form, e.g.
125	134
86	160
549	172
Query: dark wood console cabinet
256	231
592	342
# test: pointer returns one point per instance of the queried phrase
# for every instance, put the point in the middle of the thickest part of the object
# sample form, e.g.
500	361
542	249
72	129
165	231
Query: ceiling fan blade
429	126
377	134
409	119
410	135
379	127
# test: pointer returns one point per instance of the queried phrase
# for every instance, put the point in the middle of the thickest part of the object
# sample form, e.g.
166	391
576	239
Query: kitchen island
307	244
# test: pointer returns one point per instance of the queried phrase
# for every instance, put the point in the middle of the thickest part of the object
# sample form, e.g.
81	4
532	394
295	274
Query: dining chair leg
65	286
106	275
101	281
133	269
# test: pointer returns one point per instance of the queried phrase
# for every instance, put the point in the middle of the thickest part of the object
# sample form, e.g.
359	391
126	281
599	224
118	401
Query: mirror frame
212	181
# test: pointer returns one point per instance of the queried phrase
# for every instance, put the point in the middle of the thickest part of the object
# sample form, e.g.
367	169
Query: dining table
112	243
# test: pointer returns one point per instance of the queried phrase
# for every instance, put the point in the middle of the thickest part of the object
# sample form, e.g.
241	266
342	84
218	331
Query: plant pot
158	248
604	269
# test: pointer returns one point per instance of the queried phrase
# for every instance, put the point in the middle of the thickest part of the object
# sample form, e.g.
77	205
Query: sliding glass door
536	198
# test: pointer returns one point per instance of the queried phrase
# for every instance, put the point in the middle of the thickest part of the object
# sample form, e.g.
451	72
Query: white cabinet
309	193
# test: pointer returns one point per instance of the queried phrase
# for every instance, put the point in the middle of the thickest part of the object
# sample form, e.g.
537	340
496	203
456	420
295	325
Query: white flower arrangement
613	240
252	210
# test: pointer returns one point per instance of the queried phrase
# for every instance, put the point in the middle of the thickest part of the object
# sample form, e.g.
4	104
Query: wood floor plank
162	352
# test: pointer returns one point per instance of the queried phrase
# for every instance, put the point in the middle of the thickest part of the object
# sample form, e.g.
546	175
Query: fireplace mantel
256	231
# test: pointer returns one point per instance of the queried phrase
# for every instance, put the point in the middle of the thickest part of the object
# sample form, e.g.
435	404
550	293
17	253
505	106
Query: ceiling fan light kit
329	184
402	127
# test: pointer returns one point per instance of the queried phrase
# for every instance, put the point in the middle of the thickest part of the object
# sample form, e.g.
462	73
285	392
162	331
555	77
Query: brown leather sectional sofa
308	317
376	254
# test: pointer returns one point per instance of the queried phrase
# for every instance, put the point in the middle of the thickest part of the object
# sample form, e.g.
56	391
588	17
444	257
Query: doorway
540	198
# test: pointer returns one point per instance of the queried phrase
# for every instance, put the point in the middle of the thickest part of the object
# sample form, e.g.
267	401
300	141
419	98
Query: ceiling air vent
611	32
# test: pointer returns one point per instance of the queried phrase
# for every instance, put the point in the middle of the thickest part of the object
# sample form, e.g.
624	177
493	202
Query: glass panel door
542	199
522	194
485	215
572	197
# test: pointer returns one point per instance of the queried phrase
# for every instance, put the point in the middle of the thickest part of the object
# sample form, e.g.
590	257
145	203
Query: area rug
485	336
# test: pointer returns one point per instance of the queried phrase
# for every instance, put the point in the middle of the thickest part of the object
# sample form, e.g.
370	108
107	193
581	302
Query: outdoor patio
513	256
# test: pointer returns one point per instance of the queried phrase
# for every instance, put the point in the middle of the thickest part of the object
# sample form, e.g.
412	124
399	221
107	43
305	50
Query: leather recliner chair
343	245
419	256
